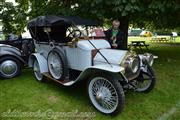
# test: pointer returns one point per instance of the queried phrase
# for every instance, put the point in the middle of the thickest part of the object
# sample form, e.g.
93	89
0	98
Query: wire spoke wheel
105	96
37	71
146	81
57	64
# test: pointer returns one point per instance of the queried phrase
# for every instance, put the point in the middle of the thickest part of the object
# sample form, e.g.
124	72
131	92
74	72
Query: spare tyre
57	64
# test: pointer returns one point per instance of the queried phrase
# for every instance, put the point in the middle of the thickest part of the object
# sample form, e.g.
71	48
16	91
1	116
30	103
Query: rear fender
41	61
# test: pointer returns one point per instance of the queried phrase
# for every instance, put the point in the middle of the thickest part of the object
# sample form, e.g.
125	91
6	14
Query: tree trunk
124	23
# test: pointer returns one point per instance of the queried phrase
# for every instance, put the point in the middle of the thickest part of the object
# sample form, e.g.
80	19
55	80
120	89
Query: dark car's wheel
9	67
57	65
146	80
39	76
106	94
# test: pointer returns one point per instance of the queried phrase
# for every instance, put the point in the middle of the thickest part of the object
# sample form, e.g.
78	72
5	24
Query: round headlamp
133	64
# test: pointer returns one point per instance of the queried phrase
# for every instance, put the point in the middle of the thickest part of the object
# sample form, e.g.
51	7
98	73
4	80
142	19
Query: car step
63	82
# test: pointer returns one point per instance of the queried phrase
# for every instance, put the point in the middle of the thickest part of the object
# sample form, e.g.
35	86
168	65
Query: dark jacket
120	38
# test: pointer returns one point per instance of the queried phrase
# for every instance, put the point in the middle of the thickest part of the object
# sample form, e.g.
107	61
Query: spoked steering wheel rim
72	33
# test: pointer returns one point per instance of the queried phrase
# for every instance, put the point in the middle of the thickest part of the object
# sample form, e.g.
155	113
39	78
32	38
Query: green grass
25	94
147	39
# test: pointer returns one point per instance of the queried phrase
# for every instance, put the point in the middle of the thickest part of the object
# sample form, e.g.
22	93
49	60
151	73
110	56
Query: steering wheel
74	33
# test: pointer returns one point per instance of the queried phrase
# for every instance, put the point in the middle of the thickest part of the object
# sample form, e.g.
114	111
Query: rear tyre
37	73
106	94
10	67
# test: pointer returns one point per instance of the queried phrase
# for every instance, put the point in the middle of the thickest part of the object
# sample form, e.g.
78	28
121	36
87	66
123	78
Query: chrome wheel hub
103	94
99	96
8	68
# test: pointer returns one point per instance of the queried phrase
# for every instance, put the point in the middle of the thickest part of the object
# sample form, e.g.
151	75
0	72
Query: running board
63	82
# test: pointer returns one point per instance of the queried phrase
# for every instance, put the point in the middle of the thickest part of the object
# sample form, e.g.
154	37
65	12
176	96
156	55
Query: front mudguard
114	70
147	69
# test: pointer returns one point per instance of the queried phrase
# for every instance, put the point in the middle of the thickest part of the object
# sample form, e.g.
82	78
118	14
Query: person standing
115	36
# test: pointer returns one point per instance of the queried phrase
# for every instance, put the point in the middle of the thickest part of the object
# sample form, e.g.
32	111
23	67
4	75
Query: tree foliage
156	13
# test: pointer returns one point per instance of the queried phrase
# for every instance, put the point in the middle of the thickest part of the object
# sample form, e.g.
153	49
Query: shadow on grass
26	94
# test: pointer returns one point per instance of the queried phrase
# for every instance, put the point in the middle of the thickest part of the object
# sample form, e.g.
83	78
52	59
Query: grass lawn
25	94
147	39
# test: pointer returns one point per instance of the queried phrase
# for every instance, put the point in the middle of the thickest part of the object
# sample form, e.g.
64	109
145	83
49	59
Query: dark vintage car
14	54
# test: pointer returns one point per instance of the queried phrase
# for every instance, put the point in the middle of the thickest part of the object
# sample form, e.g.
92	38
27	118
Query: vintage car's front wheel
57	65
37	73
146	80
106	94
9	67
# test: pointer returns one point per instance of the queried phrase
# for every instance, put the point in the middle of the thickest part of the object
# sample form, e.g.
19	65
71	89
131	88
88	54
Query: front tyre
106	94
9	67
146	80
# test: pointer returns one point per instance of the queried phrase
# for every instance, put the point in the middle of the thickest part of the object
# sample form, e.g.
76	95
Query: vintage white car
70	58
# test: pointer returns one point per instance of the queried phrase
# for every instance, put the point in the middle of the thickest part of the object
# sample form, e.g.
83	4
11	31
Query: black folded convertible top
52	20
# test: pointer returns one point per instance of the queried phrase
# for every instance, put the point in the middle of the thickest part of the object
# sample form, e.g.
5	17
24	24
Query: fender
116	71
41	60
6	50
